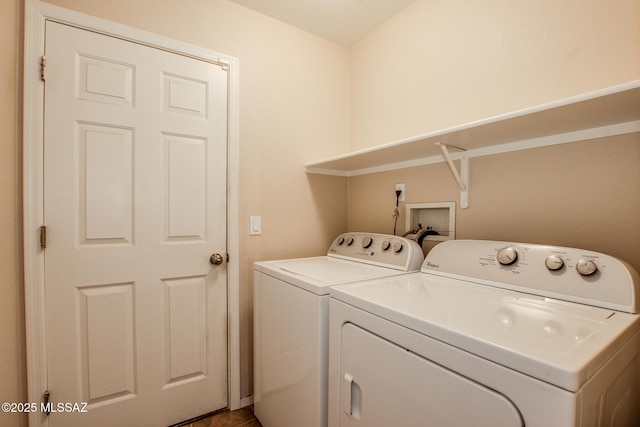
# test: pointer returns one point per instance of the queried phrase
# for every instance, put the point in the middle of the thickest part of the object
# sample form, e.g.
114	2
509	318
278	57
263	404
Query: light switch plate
255	227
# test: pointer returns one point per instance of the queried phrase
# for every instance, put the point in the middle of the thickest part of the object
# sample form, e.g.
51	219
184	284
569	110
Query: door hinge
43	68
43	237
46	407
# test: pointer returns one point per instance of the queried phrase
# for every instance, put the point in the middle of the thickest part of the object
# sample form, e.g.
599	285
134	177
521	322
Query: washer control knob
507	256
367	241
553	263
386	245
340	241
586	267
397	247
349	241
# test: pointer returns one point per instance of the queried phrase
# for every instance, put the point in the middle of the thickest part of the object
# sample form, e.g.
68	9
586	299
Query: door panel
383	384
185	317
185	168
106	340
135	203
106	186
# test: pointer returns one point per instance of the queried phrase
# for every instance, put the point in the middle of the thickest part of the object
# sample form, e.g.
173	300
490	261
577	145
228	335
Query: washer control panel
570	274
379	249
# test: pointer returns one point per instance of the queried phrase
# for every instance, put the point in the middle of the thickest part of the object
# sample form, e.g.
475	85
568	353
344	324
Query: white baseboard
246	401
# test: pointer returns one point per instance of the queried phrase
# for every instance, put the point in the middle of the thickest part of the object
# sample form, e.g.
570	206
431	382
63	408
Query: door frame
36	14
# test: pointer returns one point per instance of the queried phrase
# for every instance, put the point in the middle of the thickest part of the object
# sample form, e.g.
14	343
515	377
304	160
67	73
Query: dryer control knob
507	256
397	247
340	240
349	241
367	241
553	262
386	245
586	267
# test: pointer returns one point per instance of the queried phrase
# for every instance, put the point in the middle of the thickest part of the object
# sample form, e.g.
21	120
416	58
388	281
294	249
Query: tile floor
240	418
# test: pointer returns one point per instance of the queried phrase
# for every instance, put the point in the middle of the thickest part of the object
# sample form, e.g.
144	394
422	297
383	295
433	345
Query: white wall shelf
607	112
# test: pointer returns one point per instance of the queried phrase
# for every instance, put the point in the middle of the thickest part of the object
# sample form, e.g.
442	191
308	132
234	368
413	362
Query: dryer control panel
385	250
569	274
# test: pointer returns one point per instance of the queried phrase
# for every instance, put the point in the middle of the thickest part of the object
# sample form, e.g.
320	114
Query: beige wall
443	63
583	194
293	109
12	342
302	99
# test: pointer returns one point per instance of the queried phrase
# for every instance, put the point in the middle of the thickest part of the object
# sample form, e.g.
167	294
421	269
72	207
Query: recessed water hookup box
439	219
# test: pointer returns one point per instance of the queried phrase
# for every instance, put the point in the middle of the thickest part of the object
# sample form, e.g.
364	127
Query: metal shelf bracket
462	178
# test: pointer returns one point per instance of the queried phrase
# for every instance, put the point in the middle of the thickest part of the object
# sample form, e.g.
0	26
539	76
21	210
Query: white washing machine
291	321
489	334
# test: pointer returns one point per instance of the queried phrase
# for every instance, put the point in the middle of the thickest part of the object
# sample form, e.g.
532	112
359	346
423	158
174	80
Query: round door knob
216	259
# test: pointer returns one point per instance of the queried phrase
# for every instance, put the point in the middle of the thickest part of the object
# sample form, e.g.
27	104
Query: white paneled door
135	185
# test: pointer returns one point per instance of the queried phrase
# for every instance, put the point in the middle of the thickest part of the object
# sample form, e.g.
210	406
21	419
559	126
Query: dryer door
386	385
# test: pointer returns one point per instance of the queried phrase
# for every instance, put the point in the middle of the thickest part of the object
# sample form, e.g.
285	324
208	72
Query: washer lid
317	274
558	342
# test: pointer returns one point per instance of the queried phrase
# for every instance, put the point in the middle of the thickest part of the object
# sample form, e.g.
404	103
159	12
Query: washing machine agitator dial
586	267
507	256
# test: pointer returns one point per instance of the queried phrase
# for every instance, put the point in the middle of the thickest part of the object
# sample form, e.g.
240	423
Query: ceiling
342	21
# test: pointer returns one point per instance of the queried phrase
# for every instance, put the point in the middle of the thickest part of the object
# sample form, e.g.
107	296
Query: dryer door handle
351	396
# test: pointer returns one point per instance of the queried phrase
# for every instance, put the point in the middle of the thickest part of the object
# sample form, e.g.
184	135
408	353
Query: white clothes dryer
489	334
291	321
